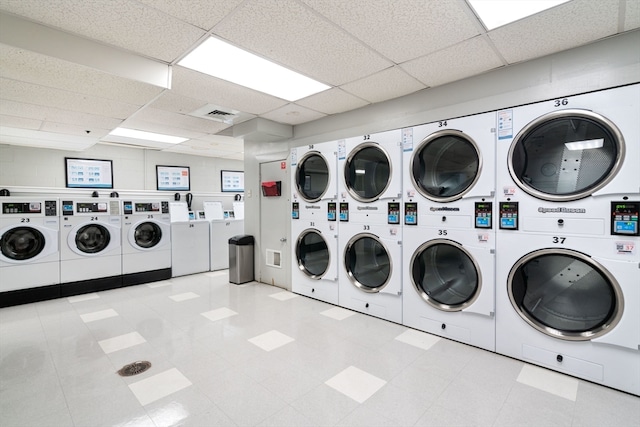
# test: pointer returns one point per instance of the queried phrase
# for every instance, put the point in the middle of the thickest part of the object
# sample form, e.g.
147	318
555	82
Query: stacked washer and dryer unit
29	250
449	236
90	248
314	225
568	295
369	209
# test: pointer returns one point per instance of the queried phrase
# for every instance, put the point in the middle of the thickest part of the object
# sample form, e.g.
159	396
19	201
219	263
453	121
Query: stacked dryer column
314	227
567	268
449	237
370	196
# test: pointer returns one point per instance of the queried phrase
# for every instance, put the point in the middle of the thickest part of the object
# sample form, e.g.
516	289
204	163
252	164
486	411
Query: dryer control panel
624	218
483	214
508	215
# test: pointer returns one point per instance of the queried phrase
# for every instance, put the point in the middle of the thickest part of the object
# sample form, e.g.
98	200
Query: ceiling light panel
496	13
222	60
147	136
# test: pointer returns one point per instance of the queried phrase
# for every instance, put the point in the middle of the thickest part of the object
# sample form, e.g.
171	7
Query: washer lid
22	243
566	155
312	176
565	294
367	172
446	165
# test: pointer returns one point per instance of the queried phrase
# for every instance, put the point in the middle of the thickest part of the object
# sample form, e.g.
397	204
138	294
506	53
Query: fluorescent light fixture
496	13
224	61
147	136
584	145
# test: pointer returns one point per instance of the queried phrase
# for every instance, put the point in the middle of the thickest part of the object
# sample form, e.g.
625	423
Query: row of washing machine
54	247
516	231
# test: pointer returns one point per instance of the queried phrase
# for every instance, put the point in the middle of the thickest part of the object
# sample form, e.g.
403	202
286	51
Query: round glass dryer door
566	155
445	165
147	235
312	254
92	238
367	172
367	262
22	243
312	176
445	275
565	294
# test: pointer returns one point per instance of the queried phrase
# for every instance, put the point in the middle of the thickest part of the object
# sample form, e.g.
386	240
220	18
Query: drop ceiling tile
20	122
13	90
292	114
182	121
123	23
192	84
200	144
31	67
171	101
401	29
203	151
457	62
631	15
76	130
201	13
566	26
291	34
163	128
332	101
51	114
388	84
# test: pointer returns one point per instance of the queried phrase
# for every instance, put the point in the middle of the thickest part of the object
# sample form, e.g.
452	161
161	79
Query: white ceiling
368	51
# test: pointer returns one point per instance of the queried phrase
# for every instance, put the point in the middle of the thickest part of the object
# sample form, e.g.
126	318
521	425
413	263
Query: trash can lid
241	240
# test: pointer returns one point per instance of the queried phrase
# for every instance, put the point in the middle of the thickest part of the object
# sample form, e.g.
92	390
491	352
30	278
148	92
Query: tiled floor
247	355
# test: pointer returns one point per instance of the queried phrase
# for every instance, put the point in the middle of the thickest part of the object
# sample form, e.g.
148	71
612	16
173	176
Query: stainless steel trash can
241	259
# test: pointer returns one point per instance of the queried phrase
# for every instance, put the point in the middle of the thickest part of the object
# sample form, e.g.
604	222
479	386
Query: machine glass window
22	243
367	172
445	166
565	294
147	235
367	262
312	253
566	155
312	177
445	275
92	238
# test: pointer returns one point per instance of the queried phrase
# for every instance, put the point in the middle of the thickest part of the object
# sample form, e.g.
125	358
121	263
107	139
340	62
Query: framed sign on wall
172	178
232	181
88	173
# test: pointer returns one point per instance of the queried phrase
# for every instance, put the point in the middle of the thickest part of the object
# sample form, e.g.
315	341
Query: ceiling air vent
217	113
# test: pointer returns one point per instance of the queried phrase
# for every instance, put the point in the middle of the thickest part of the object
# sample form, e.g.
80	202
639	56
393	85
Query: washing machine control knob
559	358
443	326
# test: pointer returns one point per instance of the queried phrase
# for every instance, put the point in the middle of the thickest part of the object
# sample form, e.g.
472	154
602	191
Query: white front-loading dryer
563	161
90	245
370	178
449	166
370	269
450	284
146	241
315	259
571	304
314	180
29	250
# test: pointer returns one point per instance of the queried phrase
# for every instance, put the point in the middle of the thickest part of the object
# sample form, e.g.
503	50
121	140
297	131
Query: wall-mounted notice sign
232	181
172	178
88	173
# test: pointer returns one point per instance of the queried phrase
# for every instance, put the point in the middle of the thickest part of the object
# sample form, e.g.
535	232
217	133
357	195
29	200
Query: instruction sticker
505	124
407	139
342	149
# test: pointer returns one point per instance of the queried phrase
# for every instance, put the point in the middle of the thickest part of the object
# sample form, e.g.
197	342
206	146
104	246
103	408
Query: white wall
608	63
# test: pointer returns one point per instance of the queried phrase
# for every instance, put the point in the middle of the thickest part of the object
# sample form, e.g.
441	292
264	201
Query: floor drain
134	368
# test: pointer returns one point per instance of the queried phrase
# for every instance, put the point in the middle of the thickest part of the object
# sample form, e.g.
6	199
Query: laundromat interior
432	219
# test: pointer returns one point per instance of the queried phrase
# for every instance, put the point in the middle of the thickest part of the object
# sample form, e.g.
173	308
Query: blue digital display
483	222
508	223
410	220
626	227
331	216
